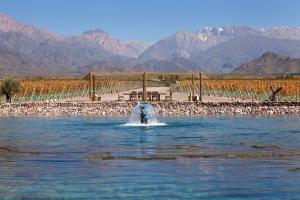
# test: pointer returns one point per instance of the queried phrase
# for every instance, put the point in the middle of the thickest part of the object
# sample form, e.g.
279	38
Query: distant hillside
26	50
228	55
270	63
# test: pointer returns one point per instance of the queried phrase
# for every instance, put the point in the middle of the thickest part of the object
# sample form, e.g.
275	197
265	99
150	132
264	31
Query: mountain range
26	50
270	63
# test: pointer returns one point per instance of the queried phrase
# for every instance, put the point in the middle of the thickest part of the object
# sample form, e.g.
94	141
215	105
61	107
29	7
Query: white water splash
135	116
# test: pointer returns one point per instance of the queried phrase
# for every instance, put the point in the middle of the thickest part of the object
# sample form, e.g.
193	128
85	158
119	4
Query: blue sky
150	20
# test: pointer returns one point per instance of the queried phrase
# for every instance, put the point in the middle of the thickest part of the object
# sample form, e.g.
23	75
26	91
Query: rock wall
162	108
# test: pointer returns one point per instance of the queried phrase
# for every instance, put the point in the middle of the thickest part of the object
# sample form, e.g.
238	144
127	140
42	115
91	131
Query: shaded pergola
144	77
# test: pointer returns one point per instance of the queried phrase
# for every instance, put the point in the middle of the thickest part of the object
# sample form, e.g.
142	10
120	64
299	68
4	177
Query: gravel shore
162	108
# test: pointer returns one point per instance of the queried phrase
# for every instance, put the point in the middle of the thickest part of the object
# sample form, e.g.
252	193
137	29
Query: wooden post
200	87
68	92
297	91
41	91
90	85
31	98
83	91
48	94
62	93
55	92
24	95
193	86
94	84
144	87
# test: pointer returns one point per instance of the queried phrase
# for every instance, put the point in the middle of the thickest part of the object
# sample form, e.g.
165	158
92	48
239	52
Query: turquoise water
98	158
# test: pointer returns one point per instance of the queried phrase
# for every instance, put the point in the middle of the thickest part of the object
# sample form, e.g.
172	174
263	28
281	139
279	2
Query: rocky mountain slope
220	50
29	47
270	63
26	50
186	44
227	56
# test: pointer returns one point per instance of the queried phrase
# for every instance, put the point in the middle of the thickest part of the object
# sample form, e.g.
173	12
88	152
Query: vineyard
255	89
47	89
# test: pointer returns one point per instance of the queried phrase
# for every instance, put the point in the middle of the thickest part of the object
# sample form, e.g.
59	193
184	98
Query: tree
10	87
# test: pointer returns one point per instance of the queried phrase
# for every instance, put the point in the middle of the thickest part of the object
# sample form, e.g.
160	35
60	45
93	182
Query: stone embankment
162	108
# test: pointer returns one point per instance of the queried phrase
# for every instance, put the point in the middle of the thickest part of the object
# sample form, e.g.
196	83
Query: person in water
144	115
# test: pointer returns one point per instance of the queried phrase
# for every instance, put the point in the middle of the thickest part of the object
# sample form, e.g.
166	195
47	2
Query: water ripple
188	158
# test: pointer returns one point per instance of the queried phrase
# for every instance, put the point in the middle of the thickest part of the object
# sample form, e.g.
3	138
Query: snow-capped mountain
186	44
283	32
25	49
222	49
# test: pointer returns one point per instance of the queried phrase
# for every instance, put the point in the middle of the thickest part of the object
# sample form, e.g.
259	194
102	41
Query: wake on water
144	125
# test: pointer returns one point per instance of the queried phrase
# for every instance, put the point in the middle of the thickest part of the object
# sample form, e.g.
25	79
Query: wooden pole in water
144	87
200	87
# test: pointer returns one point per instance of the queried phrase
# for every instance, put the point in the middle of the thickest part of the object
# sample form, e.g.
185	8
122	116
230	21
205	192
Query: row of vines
244	89
44	89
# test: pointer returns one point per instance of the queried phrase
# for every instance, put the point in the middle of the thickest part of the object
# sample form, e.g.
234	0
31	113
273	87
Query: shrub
10	87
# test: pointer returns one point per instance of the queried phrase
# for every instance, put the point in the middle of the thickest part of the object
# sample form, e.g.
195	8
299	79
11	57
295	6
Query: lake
190	158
